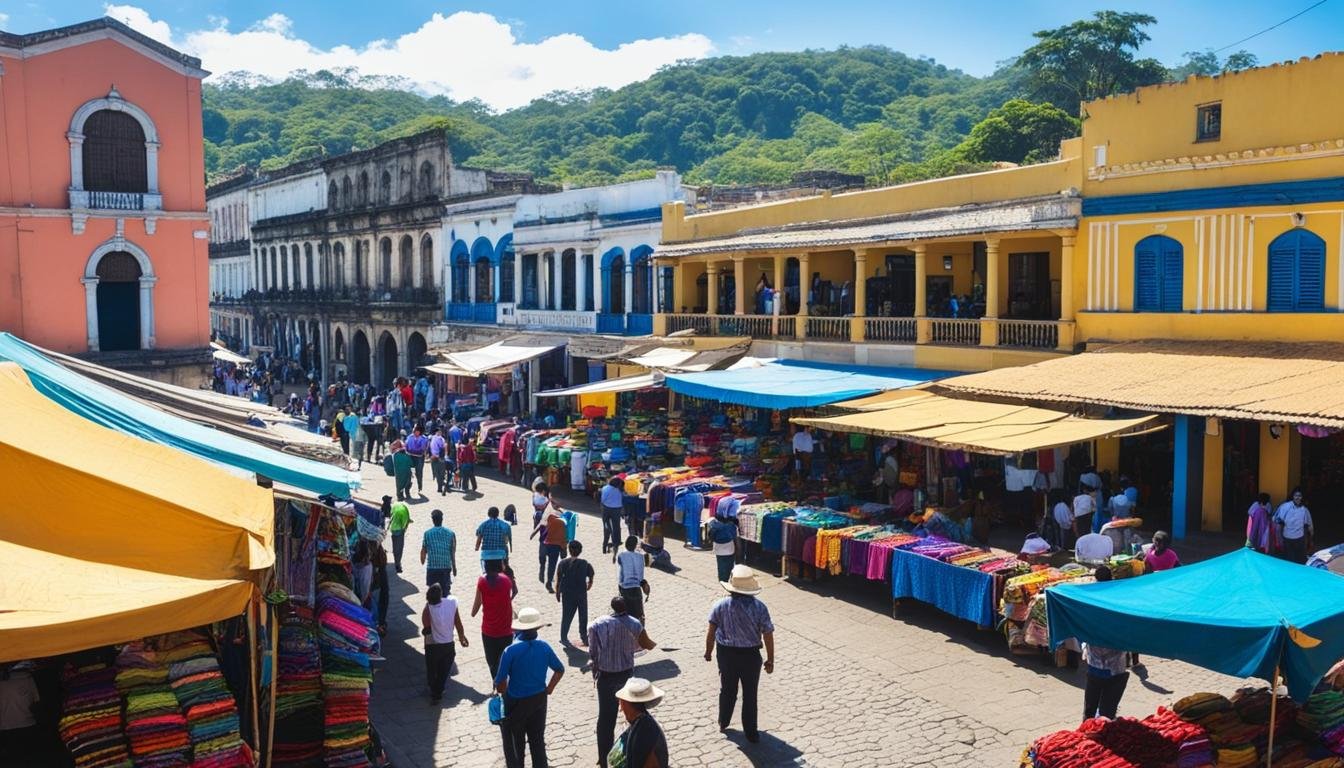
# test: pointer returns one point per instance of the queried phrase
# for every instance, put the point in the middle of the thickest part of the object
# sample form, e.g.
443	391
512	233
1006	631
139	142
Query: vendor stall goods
90	724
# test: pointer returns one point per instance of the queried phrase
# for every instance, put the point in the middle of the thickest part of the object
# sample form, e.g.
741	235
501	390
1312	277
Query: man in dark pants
612	642
522	681
1107	673
573	579
738	626
438	621
417	447
613	503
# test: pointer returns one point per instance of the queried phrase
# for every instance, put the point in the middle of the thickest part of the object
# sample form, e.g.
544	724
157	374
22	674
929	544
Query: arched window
507	289
385	189
1297	272
114	153
363	188
275	281
426	179
362	263
339	345
1159	269
308	265
461	272
347	193
485	289
298	276
385	270
338	256
284	267
426	261
333	195
406	262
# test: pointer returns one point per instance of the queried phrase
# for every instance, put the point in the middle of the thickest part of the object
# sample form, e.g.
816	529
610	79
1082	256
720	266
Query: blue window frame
1297	272
1159	268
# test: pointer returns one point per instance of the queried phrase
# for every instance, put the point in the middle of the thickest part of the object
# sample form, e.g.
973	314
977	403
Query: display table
963	592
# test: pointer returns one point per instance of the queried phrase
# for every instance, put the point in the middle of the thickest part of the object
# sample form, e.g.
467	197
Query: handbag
495	708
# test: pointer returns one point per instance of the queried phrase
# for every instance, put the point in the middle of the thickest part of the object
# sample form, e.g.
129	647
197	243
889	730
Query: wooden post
1273	712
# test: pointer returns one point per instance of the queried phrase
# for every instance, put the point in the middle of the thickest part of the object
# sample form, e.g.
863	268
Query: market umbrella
1243	614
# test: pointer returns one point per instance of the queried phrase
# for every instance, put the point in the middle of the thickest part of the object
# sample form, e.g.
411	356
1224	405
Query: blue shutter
1310	273
1282	287
1172	276
1147	283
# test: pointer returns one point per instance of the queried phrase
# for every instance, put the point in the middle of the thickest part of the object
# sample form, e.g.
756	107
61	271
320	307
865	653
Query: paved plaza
852	686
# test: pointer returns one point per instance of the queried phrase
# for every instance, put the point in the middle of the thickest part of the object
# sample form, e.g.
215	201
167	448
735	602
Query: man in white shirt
1084	505
802	451
1294	521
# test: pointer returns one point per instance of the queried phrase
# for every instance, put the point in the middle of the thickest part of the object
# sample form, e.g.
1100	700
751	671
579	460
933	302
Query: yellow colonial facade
1209	210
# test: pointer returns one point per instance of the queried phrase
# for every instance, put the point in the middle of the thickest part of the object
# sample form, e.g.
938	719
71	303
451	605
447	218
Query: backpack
722	533
388	466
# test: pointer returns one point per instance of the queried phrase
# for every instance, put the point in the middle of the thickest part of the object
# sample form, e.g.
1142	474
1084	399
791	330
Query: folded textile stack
91	723
298	695
347	638
1237	757
1132	740
1071	749
155	725
212	712
1194	750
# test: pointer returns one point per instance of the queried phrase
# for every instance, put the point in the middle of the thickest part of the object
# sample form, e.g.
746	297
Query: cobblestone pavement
853	686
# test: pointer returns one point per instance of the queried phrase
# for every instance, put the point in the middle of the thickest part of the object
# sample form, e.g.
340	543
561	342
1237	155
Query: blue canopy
114	410
1242	614
786	384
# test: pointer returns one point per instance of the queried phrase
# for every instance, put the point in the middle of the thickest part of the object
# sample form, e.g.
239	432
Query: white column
471	282
581	280
517	277
76	160
629	287
599	285
557	279
91	310
147	312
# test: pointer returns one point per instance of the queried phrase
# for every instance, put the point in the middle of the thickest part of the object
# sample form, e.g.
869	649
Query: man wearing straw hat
521	680
643	744
738	626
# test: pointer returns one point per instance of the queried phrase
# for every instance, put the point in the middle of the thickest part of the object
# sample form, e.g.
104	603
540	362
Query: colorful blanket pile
155	725
298	697
91	723
347	638
212	712
1072	749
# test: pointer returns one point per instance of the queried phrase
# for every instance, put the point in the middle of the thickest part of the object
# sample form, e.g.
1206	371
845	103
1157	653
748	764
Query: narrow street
852	686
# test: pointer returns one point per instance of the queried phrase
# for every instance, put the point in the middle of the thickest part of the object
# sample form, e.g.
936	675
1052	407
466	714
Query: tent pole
1273	711
252	667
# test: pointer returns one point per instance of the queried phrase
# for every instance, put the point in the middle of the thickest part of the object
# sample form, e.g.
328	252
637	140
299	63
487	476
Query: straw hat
528	619
637	690
743	581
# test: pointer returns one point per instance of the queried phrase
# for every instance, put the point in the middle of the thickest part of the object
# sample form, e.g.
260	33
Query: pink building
103	226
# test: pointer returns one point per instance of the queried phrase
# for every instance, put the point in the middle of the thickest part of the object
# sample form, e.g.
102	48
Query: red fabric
466	453
1045	460
496	606
408	397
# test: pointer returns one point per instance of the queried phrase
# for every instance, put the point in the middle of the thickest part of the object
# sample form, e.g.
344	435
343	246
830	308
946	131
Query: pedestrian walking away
723	534
541	501
643	744
630	577
381	598
438	466
466	466
613	501
522	681
494	538
399	520
403	468
359	438
438	553
612	643
573	579
494	595
555	533
1107	673
438	621
739	625
417	447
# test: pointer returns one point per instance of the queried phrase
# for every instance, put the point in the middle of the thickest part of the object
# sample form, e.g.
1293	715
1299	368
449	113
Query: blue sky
529	47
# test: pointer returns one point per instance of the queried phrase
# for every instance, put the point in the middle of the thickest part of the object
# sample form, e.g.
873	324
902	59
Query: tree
1206	62
1090	59
1020	131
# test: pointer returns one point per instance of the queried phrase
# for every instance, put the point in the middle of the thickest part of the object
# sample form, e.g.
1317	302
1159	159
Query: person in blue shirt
522	681
613	503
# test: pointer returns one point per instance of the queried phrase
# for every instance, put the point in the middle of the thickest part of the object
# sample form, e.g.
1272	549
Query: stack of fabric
91	723
1132	740
212	713
347	639
1194	749
298	695
1072	749
155	725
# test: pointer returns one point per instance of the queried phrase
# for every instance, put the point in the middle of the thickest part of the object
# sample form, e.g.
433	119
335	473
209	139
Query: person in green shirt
402	464
397	525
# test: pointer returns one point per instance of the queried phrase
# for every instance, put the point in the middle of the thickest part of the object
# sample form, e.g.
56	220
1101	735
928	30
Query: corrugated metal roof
1273	382
1037	213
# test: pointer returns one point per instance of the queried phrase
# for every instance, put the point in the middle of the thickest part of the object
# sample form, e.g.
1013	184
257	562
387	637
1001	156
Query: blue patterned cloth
963	592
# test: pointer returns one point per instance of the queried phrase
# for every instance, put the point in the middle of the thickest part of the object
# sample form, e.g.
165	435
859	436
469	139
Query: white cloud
465	55
4	19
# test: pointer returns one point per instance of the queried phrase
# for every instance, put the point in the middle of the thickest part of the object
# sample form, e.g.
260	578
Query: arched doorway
338	346
485	289
118	302
407	262
359	358
642	285
615	277
416	348
387	360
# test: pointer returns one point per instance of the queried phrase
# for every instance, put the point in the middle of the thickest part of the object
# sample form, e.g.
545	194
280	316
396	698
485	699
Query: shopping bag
496	710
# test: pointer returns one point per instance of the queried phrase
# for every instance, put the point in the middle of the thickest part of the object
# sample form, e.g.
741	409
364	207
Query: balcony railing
828	328
943	330
419	297
890	329
483	312
701	324
757	326
460	311
1035	334
116	201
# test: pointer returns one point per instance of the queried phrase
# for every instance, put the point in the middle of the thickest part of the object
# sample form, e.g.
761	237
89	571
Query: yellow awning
94	494
990	428
881	400
51	604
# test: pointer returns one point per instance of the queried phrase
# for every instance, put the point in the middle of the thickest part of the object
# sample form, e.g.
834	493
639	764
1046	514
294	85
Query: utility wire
1276	26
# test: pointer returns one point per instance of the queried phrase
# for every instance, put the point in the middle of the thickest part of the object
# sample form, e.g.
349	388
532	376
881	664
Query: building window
1209	122
1159	275
427	179
333	196
426	262
1297	272
385	189
114	153
363	188
506	277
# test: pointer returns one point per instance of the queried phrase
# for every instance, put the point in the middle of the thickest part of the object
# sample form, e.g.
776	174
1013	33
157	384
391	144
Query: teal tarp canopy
783	384
114	410
1242	614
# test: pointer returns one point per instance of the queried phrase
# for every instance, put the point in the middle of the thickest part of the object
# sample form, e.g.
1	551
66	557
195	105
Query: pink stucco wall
41	259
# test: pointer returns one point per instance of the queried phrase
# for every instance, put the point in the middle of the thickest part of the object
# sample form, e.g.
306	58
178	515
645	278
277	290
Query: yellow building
1209	212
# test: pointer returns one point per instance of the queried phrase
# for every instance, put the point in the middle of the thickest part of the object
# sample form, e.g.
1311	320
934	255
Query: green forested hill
740	119
729	120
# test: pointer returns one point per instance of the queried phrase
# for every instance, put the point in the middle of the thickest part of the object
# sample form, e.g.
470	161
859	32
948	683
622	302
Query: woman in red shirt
494	594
